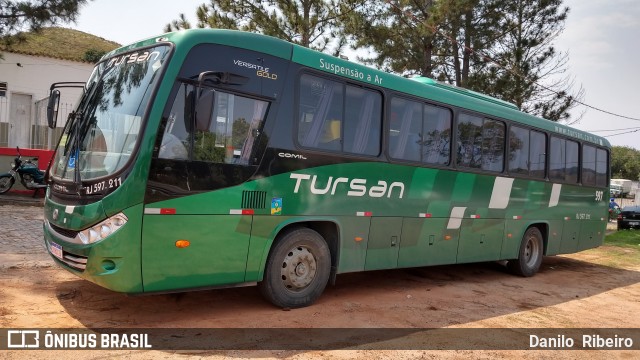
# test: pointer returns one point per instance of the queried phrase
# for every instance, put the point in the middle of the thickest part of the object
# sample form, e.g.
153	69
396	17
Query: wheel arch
543	227
328	228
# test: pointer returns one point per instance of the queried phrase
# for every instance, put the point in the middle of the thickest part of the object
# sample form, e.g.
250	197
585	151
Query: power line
490	59
622	133
605	130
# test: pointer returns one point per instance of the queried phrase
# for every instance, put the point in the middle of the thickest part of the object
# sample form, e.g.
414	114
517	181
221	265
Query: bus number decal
599	195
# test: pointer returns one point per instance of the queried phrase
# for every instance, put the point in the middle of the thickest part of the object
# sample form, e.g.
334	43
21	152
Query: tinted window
563	160
493	145
470	141
320	113
404	129
572	162
436	135
557	159
537	154
332	118
480	143
519	151
602	165
363	116
588	165
419	132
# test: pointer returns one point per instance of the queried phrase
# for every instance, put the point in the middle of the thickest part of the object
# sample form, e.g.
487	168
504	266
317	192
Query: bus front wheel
530	255
297	270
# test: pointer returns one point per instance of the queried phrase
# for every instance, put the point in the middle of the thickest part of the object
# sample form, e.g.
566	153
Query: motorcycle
31	177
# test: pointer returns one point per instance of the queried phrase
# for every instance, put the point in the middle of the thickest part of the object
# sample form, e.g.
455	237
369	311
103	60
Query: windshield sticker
72	160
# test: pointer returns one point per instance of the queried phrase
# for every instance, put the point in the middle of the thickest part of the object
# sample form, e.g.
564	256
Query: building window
3	89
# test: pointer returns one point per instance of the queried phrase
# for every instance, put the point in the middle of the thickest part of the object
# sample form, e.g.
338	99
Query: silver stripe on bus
501	193
455	220
154	211
555	195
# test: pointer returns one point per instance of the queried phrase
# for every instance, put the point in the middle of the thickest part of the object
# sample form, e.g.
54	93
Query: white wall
36	75
32	76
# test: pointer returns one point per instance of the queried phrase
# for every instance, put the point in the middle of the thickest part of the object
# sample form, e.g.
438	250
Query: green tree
32	15
526	69
400	35
93	55
466	25
504	49
625	163
310	23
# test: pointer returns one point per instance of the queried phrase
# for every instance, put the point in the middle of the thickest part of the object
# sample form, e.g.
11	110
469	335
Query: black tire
297	270
530	256
6	182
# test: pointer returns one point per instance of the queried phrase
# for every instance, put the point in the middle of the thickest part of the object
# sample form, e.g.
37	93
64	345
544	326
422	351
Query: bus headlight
101	230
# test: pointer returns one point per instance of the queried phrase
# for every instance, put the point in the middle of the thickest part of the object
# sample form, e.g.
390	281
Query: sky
600	36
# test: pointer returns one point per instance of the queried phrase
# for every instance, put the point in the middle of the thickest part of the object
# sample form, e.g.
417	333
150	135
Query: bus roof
420	86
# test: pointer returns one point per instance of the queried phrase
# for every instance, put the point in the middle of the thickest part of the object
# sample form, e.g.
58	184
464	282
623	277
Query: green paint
228	249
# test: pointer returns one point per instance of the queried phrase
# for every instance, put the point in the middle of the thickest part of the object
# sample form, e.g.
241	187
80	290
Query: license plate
56	250
634	223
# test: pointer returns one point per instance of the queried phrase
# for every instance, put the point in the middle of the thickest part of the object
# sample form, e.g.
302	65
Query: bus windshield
101	134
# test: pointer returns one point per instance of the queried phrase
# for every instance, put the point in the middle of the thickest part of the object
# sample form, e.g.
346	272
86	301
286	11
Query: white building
26	74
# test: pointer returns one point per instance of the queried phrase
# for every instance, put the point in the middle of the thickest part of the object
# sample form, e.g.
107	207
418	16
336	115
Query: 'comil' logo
23	339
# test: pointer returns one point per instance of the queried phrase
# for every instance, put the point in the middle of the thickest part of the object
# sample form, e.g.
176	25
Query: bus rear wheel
530	256
297	270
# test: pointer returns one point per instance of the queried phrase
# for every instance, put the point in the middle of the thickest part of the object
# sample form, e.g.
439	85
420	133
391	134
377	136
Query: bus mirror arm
218	77
52	108
54	100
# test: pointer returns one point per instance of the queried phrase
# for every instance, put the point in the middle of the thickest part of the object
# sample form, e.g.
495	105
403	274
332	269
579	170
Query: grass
624	238
621	249
60	43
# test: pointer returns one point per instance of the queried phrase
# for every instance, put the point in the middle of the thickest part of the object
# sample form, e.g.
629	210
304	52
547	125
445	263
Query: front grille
254	199
64	232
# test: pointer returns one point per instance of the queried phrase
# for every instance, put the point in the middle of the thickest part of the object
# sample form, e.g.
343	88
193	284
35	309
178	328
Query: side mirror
204	109
52	108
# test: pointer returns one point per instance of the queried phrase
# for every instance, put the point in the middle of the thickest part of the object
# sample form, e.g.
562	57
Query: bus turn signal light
181	244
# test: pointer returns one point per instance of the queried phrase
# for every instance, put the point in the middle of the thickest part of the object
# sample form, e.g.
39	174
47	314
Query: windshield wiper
82	127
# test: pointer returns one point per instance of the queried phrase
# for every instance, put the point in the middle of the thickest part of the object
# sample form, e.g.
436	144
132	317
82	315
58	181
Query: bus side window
320	113
230	136
469	141
405	129
557	159
602	166
363	117
436	135
588	165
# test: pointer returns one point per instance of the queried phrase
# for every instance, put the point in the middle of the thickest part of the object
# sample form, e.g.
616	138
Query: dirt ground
592	289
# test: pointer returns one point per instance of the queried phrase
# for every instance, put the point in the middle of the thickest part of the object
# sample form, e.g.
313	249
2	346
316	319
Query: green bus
213	158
